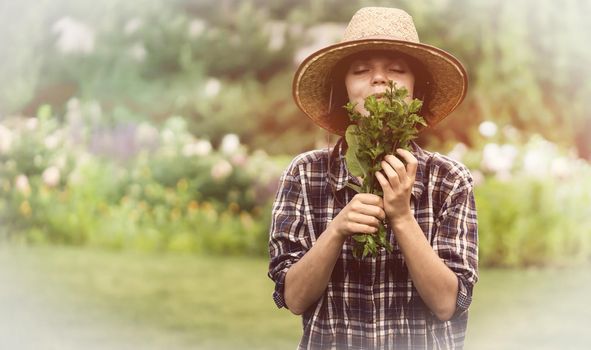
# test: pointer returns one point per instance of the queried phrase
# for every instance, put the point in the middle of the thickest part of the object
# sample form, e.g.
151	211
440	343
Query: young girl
416	296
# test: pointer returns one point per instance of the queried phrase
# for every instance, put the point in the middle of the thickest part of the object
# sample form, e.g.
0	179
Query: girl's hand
397	184
363	214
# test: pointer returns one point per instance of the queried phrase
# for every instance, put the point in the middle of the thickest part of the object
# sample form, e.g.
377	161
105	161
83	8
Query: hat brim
312	80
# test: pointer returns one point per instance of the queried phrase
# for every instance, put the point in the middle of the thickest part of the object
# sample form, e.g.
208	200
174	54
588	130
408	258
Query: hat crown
381	23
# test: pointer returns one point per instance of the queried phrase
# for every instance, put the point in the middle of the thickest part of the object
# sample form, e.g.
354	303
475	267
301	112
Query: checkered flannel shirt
372	303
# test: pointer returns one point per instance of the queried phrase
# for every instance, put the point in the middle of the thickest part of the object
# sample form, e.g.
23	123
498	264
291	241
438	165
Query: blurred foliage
89	181
226	66
541	222
137	124
86	182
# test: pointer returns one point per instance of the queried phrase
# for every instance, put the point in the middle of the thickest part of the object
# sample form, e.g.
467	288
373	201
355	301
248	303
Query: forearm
307	279
436	283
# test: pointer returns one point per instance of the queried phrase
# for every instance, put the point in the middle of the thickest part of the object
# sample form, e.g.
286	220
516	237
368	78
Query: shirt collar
339	175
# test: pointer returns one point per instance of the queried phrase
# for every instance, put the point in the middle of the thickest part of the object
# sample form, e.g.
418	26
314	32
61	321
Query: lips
379	96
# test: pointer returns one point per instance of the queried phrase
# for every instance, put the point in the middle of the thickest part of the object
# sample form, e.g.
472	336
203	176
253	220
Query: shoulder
452	168
447	172
308	161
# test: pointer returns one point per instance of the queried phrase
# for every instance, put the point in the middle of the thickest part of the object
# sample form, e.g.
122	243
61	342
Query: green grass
212	302
217	302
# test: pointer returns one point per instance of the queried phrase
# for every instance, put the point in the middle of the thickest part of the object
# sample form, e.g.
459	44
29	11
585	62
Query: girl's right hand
363	214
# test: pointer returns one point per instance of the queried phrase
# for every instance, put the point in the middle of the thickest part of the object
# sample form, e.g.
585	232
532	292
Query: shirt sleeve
456	237
289	238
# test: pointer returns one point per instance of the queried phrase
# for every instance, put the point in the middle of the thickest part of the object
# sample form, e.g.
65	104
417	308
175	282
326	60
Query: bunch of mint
391	124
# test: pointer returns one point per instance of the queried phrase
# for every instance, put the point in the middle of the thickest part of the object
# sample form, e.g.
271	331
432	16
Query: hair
423	78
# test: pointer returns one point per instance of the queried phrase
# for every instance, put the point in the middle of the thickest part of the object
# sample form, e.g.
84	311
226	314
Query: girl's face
370	75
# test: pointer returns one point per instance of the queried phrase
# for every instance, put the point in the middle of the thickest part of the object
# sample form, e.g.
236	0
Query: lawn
196	302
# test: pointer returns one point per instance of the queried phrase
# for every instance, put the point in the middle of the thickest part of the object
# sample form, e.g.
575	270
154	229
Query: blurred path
540	309
33	317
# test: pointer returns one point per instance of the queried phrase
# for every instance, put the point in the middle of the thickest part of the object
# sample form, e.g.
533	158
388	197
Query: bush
528	221
172	192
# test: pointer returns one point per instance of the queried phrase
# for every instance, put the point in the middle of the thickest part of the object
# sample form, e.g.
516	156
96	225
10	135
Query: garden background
141	144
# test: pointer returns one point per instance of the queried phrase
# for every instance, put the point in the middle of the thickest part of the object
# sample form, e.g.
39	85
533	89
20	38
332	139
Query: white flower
167	136
561	168
22	185
539	155
196	27
498	159
458	151
212	87
221	170
319	36
74	36
510	132
230	144
198	148
132	26
487	129
51	176
239	159
31	123
52	141
138	52
276	31
5	139
73	114
536	163
477	177
146	134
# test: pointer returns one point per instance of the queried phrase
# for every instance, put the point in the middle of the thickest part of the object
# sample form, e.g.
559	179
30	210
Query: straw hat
377	28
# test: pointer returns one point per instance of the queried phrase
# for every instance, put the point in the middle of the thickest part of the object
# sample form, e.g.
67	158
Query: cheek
354	88
408	83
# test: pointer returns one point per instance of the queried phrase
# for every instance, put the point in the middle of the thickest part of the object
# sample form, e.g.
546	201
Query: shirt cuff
278	294
464	298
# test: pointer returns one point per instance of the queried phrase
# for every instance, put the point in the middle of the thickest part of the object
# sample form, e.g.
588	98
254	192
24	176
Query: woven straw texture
376	28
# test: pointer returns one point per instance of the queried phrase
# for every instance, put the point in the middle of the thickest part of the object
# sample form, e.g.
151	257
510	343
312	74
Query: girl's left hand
397	184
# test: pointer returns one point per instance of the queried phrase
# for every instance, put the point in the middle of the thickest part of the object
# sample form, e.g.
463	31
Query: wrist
400	221
336	234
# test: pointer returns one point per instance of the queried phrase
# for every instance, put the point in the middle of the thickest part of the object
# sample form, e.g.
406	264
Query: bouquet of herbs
391	124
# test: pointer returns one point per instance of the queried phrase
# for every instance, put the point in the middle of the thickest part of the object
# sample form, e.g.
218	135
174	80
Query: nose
379	77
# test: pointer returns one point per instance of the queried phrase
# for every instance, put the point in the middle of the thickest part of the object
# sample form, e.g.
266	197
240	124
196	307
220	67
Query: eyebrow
393	60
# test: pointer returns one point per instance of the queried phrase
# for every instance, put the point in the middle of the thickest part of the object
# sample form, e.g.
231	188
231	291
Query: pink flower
221	170
51	176
22	185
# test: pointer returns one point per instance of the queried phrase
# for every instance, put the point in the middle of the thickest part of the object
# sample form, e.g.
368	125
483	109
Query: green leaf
415	106
360	238
354	187
370	240
365	251
353	164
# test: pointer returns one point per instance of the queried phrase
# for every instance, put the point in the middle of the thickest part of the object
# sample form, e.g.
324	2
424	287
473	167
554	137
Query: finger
373	211
369	209
359	218
386	186
392	176
370	199
397	165
361	228
411	162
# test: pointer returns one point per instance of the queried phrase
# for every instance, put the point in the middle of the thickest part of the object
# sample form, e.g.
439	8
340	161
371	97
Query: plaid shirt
372	303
